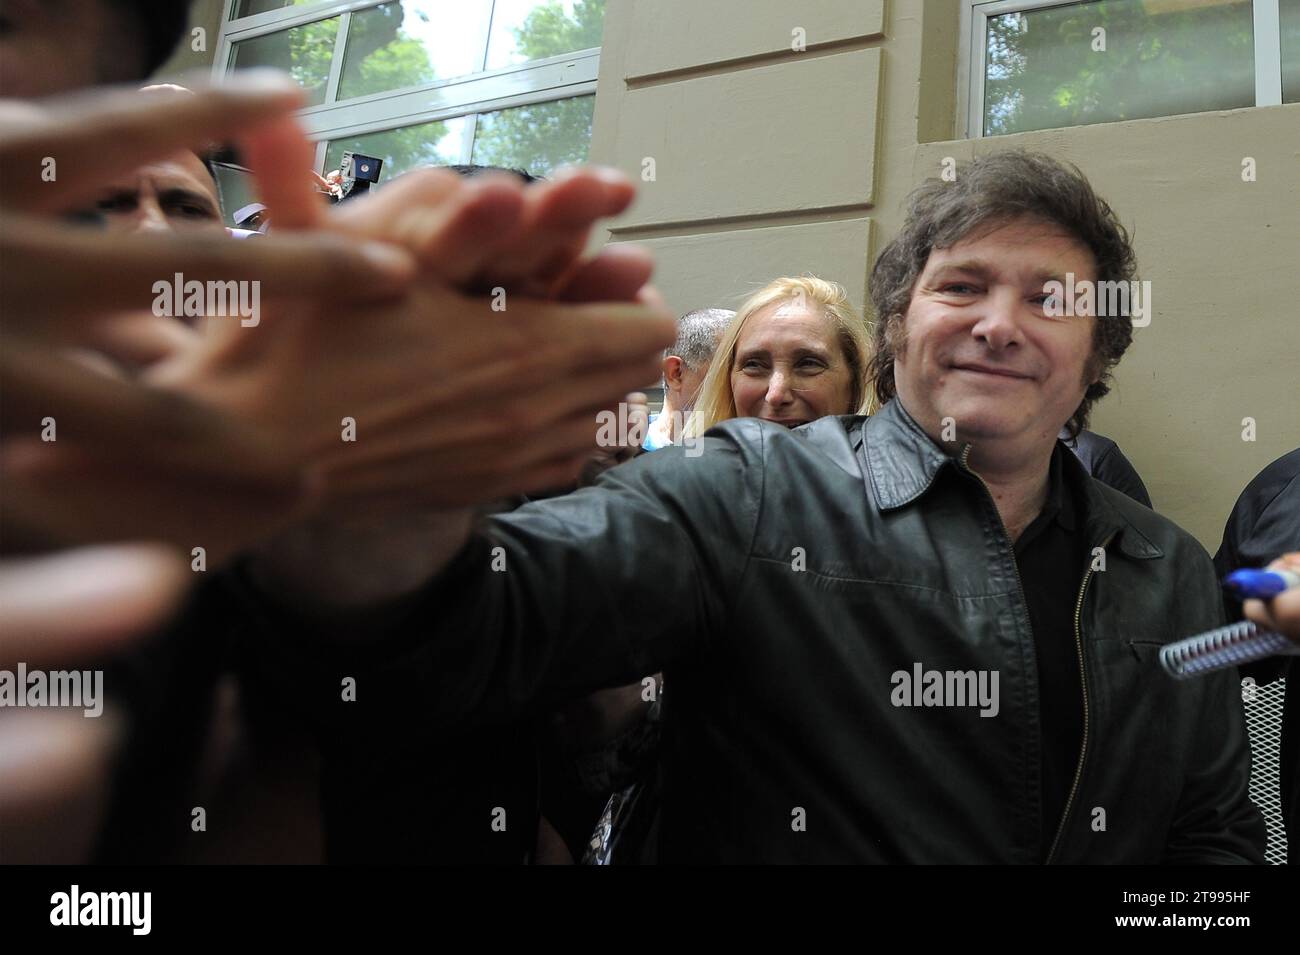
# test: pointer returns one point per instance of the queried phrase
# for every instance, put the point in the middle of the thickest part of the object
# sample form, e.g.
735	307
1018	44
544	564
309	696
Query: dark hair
469	171
160	23
987	192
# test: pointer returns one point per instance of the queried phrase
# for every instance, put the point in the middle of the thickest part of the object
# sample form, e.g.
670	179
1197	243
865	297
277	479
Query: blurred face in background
790	367
175	194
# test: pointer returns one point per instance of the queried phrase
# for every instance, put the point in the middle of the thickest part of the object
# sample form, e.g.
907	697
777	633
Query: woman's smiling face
790	367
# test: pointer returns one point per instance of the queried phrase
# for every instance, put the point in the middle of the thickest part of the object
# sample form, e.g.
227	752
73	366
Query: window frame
566	76
972	51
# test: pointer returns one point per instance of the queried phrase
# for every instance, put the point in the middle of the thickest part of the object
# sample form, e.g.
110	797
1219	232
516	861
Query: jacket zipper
1083	683
1020	586
1078	646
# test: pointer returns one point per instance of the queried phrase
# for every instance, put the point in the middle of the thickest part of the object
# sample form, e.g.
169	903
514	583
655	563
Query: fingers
54	274
454	227
649	296
491	231
638	418
277	153
615	274
490	453
1281	613
91	139
137	339
528	348
1289	561
79	500
380	214
85	604
557	223
56	772
55	409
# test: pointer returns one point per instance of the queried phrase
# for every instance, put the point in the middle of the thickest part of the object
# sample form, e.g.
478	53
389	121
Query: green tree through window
1161	57
381	56
543	137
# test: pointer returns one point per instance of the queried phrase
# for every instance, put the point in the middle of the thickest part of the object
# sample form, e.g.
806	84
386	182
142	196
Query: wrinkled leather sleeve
593	589
1215	821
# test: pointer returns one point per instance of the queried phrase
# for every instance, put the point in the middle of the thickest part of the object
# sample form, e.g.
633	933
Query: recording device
358	173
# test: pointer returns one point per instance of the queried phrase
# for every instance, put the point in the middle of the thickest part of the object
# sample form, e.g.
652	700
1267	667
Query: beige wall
773	161
757	169
205	14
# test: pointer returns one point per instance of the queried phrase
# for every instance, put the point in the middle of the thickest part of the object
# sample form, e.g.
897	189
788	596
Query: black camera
358	173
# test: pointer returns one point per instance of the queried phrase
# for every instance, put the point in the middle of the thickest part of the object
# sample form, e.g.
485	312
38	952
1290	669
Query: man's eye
116	204
195	212
959	288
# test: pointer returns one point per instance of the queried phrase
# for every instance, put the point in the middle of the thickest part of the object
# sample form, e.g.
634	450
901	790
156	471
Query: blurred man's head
174	194
55	46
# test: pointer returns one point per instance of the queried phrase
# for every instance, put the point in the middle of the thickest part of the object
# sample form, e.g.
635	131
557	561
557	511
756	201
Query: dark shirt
1103	459
1051	556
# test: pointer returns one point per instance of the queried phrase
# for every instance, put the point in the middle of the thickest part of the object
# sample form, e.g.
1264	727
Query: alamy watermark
181	298
623	429
1104	299
75	907
71	689
922	687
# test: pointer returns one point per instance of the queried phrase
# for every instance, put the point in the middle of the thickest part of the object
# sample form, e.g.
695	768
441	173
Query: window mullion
979	48
467	144
275	20
336	63
487	37
1268	53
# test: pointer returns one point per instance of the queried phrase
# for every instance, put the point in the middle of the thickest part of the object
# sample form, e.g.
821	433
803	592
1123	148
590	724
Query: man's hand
453	400
57	279
93	456
438	400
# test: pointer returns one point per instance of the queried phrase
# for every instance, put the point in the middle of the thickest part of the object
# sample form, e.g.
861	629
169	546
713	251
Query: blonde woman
796	351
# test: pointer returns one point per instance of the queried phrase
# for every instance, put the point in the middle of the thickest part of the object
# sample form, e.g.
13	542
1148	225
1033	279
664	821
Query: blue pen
1238	643
1260	584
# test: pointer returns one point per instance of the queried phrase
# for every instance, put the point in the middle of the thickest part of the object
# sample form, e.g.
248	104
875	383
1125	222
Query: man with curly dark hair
927	635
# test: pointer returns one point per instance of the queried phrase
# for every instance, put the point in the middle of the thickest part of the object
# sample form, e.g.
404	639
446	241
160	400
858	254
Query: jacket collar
902	462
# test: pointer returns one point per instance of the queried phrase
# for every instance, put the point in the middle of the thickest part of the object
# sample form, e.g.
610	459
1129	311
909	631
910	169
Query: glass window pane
524	30
235	189
246	8
411	43
537	139
428	144
1055	67
1290	14
304	53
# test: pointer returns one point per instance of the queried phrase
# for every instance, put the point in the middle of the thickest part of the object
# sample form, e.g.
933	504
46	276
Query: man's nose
999	322
149	217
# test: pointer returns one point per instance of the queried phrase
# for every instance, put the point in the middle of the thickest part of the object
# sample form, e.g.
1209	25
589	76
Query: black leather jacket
782	578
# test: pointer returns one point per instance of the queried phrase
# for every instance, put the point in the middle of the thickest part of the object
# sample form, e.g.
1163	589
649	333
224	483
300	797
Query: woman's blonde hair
716	402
